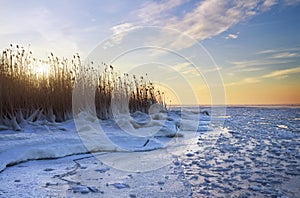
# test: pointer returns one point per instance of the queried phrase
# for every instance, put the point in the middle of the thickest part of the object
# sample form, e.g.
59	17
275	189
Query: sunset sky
253	46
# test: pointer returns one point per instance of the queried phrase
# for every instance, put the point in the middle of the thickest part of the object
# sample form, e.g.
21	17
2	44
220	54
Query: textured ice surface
257	155
139	132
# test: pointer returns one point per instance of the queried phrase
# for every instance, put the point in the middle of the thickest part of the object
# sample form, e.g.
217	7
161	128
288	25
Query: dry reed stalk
28	95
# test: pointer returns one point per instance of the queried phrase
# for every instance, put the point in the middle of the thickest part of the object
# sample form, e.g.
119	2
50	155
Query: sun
41	69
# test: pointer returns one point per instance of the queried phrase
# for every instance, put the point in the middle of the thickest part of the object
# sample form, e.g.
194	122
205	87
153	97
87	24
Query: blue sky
255	44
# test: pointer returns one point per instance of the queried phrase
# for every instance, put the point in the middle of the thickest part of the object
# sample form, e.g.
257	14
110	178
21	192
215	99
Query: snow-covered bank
138	132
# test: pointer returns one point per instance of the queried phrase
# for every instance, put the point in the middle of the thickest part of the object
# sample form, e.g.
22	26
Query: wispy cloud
207	19
119	31
181	66
232	36
283	50
267	4
252	69
186	68
282	73
278	74
249	80
288	54
258	63
267	60
202	20
211	18
291	2
121	27
154	12
285	55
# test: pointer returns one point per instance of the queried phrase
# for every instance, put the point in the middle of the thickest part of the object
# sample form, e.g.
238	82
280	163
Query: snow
163	154
252	157
77	176
138	132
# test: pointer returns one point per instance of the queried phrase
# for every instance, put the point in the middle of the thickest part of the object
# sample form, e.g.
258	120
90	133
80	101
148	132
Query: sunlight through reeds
32	89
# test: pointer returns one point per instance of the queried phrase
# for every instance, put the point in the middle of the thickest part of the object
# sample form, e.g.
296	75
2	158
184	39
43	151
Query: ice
102	170
254	188
120	185
136	132
250	158
255	155
80	189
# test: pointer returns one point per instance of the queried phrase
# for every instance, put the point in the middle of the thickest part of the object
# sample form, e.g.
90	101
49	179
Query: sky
207	52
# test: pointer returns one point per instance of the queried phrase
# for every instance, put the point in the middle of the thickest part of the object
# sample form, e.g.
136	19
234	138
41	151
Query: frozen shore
85	176
139	132
256	155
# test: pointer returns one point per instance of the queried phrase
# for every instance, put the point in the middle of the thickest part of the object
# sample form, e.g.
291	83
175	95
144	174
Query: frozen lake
257	157
256	154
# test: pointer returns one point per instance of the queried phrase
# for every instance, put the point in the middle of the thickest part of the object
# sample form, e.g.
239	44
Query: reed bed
32	89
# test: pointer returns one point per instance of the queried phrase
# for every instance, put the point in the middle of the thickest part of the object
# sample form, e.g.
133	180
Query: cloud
121	28
213	69
152	12
251	80
268	4
243	81
258	62
211	18
119	32
253	69
285	55
270	58
291	2
207	19
198	19
282	73
186	68
232	36
281	77
273	51
278	74
182	66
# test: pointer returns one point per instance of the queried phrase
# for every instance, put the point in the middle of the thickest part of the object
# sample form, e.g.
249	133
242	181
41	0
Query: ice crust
136	132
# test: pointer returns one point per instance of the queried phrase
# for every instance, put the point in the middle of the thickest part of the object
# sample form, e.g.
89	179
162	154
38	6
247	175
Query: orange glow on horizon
263	94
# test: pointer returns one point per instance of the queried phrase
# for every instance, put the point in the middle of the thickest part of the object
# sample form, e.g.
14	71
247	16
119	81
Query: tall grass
33	89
